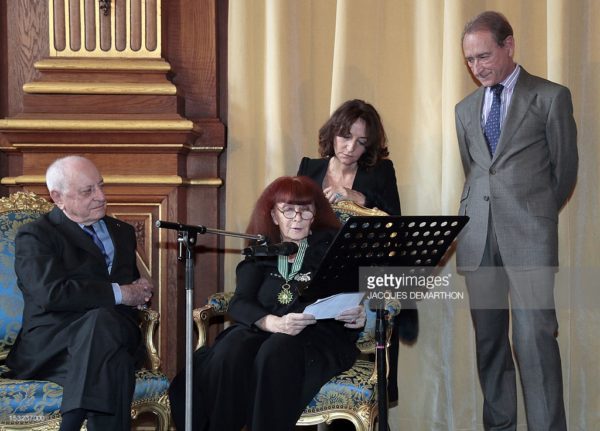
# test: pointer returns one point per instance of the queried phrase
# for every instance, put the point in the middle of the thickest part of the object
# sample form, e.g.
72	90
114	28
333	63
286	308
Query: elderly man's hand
138	293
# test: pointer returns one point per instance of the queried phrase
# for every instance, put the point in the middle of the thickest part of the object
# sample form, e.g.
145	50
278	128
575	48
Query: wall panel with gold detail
102	79
105	28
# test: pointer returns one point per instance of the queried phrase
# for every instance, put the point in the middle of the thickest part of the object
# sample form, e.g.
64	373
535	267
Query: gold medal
285	296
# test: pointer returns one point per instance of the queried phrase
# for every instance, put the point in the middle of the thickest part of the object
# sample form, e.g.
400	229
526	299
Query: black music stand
417	242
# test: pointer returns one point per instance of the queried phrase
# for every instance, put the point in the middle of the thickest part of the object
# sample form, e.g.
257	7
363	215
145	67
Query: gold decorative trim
206	182
172	180
161	408
129	217
361	419
75	12
52	423
150	319
25	201
45	87
207	149
25	145
84	125
354	209
201	317
104	64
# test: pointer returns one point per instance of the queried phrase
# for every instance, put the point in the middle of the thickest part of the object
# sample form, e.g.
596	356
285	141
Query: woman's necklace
286	296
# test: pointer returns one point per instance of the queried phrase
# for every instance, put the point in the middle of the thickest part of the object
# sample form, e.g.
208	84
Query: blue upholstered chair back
15	211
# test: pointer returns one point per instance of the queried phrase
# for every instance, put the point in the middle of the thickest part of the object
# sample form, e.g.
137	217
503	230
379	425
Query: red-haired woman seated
263	371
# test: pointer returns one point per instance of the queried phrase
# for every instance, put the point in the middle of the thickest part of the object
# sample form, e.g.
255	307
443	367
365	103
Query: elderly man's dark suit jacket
526	182
63	274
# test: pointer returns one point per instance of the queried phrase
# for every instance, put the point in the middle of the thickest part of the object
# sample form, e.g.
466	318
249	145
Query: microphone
282	249
161	224
195	229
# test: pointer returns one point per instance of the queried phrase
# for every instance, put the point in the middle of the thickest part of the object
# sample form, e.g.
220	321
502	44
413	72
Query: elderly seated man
77	270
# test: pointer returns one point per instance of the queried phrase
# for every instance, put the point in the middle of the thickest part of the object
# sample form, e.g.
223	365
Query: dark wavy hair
295	191
491	21
341	121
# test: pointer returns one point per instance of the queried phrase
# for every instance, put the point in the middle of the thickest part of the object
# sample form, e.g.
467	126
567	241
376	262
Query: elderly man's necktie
92	233
492	125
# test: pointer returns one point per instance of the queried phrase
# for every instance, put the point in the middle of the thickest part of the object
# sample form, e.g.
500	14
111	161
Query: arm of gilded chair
351	208
148	325
217	305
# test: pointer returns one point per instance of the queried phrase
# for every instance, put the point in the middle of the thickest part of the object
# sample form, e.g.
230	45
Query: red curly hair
294	191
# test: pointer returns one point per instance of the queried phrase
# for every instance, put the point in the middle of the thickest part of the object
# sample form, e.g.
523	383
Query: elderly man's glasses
290	213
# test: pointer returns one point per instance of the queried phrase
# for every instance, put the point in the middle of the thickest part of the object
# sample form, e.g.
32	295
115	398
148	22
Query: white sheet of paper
328	308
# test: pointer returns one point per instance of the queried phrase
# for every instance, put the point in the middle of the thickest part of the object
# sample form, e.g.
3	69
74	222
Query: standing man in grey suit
518	145
77	270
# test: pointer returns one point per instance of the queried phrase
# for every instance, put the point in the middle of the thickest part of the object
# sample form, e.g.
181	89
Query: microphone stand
186	239
380	339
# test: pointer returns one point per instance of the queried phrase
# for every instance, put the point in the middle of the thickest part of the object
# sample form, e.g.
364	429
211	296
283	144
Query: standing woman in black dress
354	166
263	371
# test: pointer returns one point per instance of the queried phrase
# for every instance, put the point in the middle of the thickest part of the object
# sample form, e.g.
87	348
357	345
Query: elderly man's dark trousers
97	371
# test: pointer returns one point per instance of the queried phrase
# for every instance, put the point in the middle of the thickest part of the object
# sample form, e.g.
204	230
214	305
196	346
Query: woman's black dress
260	379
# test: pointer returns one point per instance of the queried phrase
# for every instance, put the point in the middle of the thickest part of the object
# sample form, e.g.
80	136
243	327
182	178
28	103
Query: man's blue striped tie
92	233
492	124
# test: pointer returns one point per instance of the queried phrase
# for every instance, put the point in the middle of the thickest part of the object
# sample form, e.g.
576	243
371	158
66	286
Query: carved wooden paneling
3	67
142	217
27	25
101	104
195	63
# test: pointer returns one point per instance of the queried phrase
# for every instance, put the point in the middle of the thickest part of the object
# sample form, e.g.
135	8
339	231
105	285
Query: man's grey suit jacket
526	182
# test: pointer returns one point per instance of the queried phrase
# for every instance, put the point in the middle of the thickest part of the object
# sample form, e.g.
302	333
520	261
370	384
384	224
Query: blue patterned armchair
35	404
351	395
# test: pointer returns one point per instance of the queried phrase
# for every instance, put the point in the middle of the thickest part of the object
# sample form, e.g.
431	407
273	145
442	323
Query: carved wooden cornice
99	88
155	180
94	125
104	64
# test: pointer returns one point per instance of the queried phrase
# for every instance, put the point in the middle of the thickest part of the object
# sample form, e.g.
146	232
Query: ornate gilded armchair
351	395
34	404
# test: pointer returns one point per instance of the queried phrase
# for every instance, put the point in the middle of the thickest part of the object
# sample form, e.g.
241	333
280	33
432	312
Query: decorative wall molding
105	28
96	125
157	180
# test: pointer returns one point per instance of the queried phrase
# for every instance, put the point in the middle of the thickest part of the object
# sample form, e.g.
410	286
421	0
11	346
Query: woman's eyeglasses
290	213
